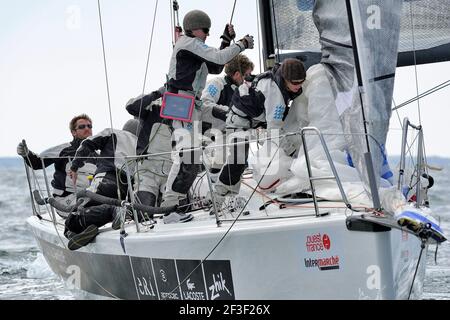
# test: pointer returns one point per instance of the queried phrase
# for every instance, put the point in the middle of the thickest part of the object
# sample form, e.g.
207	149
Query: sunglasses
83	126
205	30
296	83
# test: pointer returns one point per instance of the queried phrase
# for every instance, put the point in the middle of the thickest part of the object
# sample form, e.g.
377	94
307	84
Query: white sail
375	26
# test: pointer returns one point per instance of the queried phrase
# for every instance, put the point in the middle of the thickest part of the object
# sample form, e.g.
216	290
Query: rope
437	244
305	206
229	229
232	12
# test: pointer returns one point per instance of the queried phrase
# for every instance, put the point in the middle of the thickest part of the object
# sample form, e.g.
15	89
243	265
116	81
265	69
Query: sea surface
24	273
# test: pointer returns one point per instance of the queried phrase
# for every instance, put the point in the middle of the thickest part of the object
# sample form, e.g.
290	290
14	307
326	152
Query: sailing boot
81	239
68	234
175	217
180	215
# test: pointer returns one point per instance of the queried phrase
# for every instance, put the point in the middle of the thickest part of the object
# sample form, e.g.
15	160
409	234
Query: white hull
258	259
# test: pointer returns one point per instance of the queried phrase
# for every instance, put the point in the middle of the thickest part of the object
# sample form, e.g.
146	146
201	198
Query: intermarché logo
318	242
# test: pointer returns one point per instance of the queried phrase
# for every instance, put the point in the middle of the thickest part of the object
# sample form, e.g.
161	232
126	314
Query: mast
268	46
367	155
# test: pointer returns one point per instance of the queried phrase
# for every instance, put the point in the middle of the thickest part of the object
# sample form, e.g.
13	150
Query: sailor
110	180
216	99
155	139
63	187
117	149
190	64
216	96
265	102
316	107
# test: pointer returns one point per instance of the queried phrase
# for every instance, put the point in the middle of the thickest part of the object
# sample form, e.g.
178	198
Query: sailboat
348	231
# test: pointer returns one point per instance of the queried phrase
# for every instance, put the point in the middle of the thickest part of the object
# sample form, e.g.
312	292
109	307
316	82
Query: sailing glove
22	149
288	147
248	42
228	33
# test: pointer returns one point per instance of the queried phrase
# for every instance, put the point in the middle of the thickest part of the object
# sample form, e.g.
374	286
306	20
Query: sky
51	67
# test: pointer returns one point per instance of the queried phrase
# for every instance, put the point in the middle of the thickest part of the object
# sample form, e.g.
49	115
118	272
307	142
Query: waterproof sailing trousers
96	215
230	175
186	161
105	184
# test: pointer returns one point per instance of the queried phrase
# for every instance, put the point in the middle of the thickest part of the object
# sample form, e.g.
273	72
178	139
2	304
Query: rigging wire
415	62
409	147
173	6
422	247
419	96
423	94
417	92
105	65
172	17
259	37
230	227
146	65
108	92
409	152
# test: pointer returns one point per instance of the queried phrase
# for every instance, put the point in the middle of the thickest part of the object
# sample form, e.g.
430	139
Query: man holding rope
192	60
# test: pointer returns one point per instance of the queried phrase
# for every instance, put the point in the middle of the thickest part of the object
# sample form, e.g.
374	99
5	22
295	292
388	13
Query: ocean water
24	274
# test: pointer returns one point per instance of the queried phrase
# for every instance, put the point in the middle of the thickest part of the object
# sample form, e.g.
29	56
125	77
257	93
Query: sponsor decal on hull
320	252
141	278
323	264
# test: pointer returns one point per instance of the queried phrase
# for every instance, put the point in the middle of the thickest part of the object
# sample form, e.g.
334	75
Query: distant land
432	160
11	162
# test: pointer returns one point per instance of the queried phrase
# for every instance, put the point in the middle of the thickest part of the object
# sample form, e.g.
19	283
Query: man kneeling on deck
110	180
